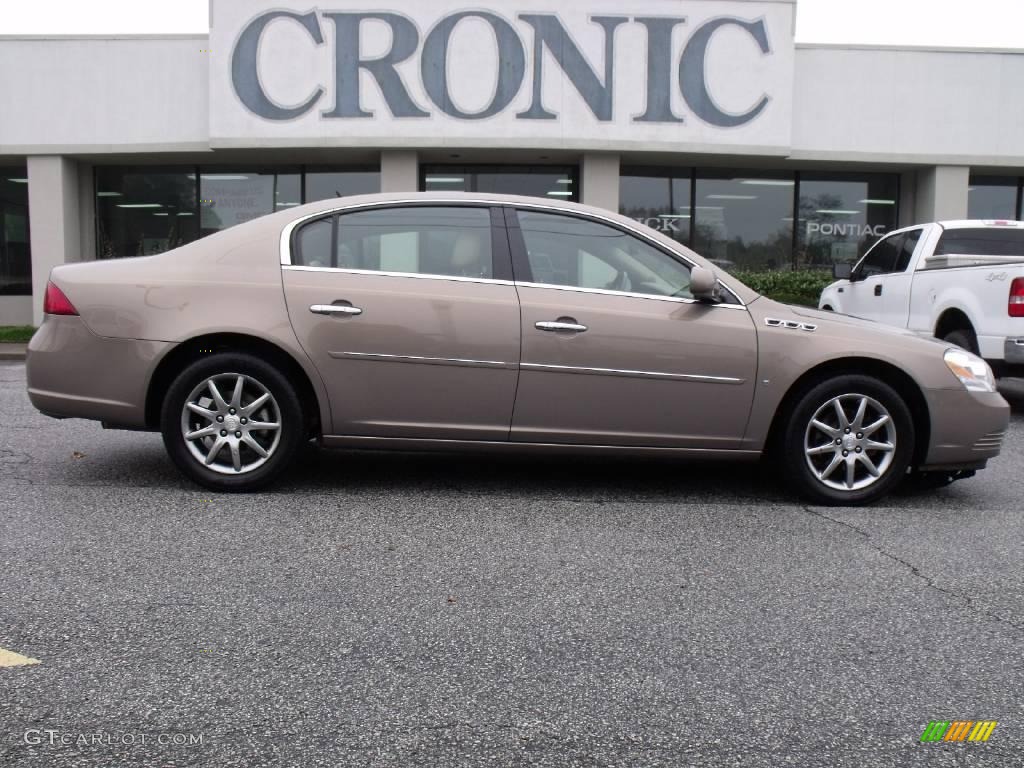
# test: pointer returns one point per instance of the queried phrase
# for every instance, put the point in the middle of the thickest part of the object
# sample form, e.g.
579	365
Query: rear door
615	349
411	317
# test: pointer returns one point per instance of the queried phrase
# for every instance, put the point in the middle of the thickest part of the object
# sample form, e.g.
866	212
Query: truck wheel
963	338
232	422
848	441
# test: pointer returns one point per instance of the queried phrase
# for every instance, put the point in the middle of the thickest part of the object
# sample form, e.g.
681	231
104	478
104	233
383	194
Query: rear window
981	242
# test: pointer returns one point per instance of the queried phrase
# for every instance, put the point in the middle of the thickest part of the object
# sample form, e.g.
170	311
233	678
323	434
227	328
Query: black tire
260	374
827	308
964	338
798	432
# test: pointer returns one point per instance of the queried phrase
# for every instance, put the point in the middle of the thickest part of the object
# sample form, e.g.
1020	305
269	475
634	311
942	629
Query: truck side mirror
843	271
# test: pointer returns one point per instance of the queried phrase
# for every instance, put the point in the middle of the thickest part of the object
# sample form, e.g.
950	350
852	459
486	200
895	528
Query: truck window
987	241
881	259
906	252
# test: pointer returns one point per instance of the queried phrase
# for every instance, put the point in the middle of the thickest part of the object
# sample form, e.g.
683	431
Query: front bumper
967	428
73	373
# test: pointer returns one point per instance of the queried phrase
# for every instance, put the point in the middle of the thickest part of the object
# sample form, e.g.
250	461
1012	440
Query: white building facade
702	118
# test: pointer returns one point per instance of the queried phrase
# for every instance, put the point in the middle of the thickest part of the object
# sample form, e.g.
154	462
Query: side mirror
842	271
703	284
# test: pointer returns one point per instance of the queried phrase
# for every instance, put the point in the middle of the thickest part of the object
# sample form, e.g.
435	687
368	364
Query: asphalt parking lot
410	610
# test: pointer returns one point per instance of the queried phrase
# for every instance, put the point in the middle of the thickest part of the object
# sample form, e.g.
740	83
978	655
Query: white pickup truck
962	281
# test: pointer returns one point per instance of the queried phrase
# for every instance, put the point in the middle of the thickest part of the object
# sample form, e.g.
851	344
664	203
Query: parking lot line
12	659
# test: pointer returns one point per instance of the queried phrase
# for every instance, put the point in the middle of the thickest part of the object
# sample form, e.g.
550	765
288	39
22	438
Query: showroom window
228	197
555	182
142	211
15	253
840	216
994	197
744	219
658	199
325	183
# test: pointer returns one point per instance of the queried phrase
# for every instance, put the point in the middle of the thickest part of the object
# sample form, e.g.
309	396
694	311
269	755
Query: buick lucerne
448	321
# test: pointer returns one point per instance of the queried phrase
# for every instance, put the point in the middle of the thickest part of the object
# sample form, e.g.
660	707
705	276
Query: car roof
469	197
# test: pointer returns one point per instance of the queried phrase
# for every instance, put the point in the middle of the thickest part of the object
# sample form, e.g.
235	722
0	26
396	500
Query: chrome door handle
335	309
560	327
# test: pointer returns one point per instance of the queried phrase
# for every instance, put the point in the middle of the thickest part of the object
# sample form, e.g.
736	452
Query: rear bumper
74	373
967	428
1013	351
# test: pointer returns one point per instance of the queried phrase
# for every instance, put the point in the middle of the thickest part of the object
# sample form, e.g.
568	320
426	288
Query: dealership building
701	118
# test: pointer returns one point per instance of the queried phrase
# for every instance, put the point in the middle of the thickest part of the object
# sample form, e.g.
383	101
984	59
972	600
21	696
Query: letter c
693	72
245	75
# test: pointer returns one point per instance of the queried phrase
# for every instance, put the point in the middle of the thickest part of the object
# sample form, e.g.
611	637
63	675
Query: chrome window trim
416	275
626	372
286	233
628	294
456	361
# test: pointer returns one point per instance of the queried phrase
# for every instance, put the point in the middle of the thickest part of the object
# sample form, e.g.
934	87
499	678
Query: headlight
972	371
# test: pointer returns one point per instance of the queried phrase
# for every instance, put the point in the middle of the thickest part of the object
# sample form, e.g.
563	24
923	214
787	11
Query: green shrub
16	332
791	287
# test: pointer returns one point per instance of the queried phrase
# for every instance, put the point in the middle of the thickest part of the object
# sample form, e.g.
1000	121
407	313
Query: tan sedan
443	321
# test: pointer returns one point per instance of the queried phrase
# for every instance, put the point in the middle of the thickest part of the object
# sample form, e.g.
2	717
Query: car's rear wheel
231	422
849	440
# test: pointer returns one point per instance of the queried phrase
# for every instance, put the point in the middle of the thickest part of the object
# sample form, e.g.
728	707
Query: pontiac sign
665	73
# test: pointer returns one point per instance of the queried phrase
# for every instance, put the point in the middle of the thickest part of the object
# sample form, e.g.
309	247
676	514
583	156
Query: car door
867	281
411	318
615	351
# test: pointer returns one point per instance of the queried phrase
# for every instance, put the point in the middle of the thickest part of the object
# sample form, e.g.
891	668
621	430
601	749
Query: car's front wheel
849	441
231	422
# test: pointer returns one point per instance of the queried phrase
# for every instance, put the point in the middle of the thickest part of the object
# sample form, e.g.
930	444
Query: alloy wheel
232	435
850	442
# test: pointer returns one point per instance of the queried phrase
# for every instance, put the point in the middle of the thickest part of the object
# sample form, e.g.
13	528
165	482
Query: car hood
823	318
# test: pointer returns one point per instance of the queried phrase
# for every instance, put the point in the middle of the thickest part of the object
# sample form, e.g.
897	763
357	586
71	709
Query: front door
615	350
866	293
896	296
410	317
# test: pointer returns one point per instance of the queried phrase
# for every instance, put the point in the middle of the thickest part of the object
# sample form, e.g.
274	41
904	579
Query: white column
399	171
599	179
54	221
941	193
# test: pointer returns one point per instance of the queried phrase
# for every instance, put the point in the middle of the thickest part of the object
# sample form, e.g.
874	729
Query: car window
314	241
450	242
987	241
881	259
906	251
567	250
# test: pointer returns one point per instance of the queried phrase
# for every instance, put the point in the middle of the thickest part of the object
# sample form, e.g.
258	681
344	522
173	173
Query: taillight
1015	306
56	303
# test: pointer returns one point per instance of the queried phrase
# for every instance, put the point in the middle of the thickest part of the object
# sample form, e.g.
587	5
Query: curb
12	351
